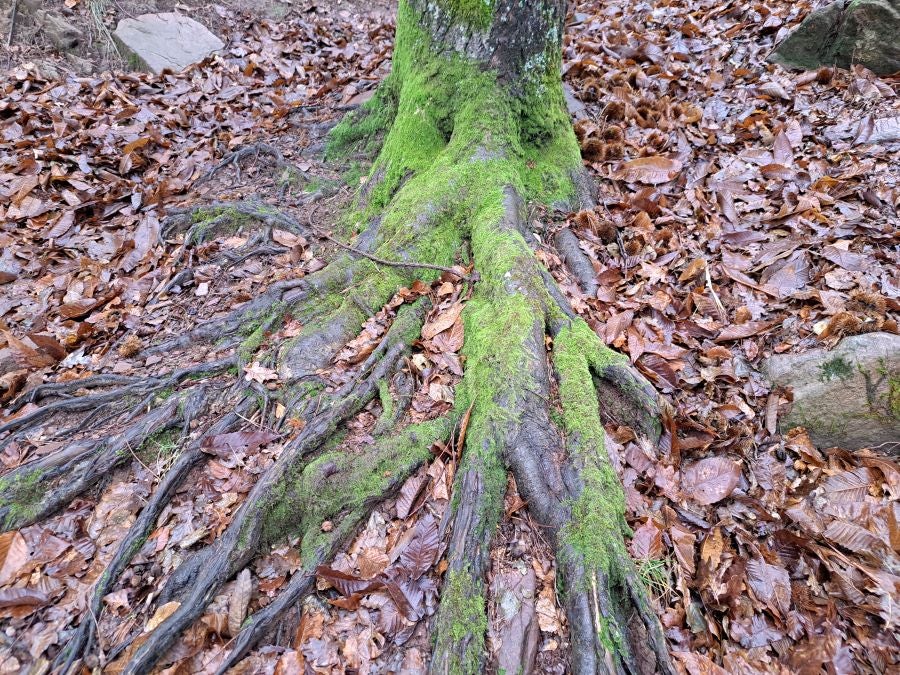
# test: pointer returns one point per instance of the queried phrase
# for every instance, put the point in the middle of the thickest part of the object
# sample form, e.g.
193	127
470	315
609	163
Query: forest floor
743	212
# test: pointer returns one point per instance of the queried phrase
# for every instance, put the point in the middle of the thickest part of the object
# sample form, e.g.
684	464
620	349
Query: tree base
460	154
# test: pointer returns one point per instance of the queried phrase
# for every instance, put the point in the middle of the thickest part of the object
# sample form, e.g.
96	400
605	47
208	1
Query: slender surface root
39	488
266	511
577	262
83	640
252	151
403	452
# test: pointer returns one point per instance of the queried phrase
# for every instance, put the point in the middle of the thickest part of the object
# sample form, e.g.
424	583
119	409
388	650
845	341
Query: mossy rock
848	397
844	33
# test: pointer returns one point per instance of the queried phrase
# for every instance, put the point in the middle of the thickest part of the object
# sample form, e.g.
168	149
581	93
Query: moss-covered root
506	382
613	625
81	643
39	489
577	497
343	489
268	512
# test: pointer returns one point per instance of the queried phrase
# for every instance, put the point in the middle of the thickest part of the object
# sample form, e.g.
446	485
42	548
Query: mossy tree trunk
473	126
468	129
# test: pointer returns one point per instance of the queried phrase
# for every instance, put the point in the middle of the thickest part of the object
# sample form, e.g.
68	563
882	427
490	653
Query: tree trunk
469	127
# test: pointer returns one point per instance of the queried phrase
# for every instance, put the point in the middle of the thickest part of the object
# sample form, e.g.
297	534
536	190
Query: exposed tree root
574	494
39	488
404	452
447	192
82	642
577	262
267	510
253	151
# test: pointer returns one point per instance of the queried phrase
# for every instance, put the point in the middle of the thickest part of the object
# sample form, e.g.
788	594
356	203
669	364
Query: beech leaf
710	480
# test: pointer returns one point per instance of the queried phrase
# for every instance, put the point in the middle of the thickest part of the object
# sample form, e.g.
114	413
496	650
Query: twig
722	313
140	461
12	23
391	263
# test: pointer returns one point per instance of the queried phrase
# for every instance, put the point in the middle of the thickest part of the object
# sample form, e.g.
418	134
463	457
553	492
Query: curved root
238	543
576	495
246	152
82	641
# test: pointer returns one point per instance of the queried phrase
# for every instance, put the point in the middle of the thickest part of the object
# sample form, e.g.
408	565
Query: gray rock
843	33
169	40
848	397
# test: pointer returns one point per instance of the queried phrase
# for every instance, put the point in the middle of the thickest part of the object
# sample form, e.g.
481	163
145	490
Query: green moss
20	498
216	218
837	367
436	112
162	444
257	328
463	608
476	13
252	343
135	547
894	396
363	130
353	176
387	402
337	482
598	514
164	394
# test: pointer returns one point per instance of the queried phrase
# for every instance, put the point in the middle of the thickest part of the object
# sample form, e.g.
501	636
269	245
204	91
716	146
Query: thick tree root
575	494
577	262
404	452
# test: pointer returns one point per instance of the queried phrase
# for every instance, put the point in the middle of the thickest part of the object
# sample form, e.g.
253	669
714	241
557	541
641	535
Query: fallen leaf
255	372
239	601
651	170
162	613
225	445
710	480
442	321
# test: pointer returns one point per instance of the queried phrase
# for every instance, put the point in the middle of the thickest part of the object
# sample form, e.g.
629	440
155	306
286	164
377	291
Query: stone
844	33
168	40
848	397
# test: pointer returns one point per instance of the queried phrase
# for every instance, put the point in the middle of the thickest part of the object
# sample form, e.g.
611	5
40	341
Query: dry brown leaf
710	480
442	321
547	614
650	170
162	613
239	601
256	372
13	555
